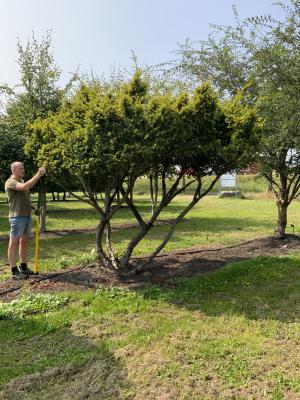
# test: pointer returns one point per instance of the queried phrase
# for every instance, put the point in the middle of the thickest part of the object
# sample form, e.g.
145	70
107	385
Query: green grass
245	183
75	214
234	333
213	221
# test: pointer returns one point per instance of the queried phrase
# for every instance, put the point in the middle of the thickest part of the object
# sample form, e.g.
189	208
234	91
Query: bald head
17	169
15	165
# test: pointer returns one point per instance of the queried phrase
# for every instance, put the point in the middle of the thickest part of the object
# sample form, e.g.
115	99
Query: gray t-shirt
18	200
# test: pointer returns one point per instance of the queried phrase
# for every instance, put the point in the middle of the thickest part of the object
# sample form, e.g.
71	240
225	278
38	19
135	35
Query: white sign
228	180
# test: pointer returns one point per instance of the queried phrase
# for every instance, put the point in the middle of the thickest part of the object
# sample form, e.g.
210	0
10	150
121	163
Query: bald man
20	208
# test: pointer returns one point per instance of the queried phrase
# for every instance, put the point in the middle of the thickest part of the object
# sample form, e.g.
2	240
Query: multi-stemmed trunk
145	227
108	257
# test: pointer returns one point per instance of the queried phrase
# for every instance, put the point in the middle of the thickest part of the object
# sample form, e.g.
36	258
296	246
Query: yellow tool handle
36	255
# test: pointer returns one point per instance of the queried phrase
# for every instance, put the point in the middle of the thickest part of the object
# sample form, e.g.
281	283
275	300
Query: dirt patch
183	263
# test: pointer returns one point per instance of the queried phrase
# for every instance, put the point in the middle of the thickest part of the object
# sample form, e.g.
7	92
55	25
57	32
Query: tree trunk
99	234
112	257
281	219
270	187
108	257
154	191
131	195
151	194
118	198
42	203
124	262
107	209
270	182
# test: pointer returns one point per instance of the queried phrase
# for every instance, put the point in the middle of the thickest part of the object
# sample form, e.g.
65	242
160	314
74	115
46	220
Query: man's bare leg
23	249
14	243
12	251
23	252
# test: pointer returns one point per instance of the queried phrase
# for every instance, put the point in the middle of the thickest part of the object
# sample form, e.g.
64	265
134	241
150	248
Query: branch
196	198
163	183
295	192
271	180
91	200
132	206
290	182
183	188
169	195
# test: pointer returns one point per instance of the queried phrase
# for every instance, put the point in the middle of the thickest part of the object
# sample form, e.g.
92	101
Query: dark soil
183	263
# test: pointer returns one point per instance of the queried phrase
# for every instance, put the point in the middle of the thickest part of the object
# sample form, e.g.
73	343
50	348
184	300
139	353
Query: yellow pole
36	255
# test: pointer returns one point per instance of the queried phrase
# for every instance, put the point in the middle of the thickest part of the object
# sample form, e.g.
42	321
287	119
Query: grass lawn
232	334
213	221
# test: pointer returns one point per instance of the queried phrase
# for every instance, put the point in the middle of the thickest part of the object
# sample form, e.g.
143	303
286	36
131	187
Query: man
20	208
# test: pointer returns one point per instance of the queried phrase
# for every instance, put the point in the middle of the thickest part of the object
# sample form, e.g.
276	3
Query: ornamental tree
104	139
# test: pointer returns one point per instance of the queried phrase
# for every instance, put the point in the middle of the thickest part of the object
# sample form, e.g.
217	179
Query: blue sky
98	34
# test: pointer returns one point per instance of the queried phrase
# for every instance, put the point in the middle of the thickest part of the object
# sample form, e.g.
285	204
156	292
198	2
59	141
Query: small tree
104	140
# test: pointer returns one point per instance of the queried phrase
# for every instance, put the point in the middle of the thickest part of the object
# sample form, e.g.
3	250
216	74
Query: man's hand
29	184
41	171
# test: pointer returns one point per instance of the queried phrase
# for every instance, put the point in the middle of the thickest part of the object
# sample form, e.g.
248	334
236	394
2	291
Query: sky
100	34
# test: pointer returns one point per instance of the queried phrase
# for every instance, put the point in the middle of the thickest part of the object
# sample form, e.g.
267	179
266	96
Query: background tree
11	143
261	56
37	94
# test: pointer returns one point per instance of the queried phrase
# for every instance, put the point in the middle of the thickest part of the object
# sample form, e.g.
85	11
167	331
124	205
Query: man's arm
24	187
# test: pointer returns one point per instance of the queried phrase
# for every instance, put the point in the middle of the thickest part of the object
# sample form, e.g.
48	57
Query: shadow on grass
265	288
196	224
143	206
216	225
39	362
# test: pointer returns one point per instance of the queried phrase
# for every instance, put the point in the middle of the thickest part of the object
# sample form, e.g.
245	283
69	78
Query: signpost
228	181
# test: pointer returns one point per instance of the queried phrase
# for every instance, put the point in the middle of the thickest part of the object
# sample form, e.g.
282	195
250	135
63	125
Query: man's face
19	171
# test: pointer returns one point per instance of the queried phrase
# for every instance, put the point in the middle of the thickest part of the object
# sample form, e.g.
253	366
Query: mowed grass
75	214
231	334
213	221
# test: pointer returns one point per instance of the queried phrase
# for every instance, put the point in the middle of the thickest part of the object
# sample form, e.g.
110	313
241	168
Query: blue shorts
20	226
